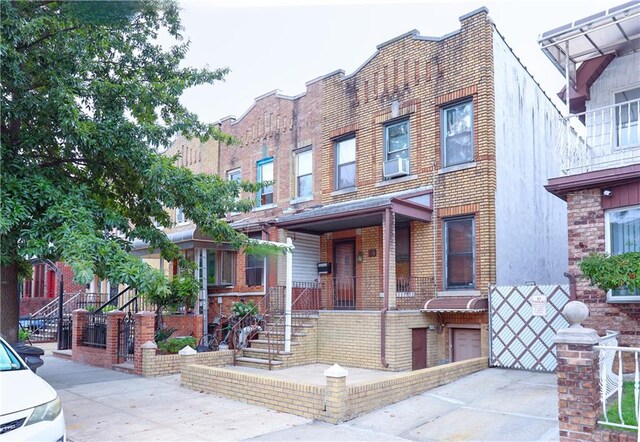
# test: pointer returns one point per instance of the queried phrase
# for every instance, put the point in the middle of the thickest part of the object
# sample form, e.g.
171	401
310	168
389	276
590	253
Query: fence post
577	372
336	393
80	319
112	334
145	323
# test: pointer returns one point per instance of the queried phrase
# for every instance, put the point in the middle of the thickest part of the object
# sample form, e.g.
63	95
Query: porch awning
458	304
365	212
185	239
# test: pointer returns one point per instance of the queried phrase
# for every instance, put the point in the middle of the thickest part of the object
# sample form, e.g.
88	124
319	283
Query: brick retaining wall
162	365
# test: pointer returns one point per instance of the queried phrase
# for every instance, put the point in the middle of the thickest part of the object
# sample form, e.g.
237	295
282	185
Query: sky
282	44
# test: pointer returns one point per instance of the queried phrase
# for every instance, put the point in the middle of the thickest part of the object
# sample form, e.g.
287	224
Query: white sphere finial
575	312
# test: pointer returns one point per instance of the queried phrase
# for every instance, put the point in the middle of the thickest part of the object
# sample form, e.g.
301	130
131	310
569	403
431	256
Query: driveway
494	404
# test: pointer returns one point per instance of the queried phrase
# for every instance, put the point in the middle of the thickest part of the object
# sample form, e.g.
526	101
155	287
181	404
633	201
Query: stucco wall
616	77
531	233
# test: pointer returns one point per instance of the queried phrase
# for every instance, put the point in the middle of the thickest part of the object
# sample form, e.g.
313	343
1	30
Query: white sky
281	44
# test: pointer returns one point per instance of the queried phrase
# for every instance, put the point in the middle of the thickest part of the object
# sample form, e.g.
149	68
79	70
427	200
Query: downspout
385	282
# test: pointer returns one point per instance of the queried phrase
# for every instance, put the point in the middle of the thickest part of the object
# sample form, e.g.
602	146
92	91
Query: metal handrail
242	321
112	301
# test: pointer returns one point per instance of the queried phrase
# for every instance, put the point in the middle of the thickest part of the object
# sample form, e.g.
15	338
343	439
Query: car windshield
8	360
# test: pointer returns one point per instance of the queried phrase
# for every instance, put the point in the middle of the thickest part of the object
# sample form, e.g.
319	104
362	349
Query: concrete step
262	353
126	367
62	354
275	343
258	363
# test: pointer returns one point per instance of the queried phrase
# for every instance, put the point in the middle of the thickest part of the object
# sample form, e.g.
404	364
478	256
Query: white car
30	409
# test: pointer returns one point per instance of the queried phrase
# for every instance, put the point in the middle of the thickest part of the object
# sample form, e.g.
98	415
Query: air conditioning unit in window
395	168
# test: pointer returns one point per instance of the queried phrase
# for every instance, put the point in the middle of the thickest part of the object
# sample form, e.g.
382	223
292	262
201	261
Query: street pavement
491	405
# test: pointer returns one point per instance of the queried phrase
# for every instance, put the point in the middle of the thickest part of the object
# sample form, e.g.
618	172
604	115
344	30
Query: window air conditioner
396	167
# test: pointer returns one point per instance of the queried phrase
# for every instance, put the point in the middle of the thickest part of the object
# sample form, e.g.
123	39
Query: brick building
406	192
601	164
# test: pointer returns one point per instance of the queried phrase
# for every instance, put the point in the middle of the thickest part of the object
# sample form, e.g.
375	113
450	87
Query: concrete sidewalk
495	404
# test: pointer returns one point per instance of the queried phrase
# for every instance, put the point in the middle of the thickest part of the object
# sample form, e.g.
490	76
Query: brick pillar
148	358
112	334
145	323
336	394
577	372
80	320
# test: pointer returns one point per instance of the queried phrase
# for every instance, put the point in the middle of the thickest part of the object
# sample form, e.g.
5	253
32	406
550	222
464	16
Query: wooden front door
344	268
418	348
466	343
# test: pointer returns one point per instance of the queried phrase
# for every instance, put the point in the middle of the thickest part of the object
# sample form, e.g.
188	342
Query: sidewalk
491	405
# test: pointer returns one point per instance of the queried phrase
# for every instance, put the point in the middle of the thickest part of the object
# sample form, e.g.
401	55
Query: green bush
23	334
612	272
174	345
241	309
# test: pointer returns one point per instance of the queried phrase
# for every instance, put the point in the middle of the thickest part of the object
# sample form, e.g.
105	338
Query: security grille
520	339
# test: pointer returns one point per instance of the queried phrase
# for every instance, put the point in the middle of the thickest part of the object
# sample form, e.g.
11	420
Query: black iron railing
126	339
95	332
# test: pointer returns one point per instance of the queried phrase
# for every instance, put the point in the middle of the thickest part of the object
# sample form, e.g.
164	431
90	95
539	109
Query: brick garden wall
586	235
332	405
154	365
185	325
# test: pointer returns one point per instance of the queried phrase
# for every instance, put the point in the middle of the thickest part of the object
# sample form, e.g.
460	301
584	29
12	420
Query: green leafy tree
89	98
610	272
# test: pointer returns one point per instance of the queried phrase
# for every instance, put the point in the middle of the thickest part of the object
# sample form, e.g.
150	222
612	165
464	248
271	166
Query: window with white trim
265	173
626	110
457	134
180	218
345	155
304	173
622	235
254	266
459	253
396	140
221	267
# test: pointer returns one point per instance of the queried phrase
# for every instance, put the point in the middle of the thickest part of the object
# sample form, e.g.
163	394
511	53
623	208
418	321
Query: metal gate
523	322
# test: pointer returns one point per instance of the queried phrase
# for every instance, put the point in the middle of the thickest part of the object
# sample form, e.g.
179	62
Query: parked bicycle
209	341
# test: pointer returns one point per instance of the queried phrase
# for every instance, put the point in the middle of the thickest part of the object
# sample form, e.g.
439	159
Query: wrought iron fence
126	339
65	338
619	383
95	332
413	292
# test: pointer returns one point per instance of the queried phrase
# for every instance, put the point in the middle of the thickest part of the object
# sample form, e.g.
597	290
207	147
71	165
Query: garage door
466	344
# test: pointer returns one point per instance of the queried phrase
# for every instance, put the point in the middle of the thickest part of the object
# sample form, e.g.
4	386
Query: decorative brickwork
99	357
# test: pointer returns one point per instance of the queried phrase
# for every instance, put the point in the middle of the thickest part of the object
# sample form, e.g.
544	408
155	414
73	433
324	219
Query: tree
89	97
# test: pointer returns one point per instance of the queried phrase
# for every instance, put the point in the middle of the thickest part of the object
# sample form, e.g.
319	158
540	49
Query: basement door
418	348
465	344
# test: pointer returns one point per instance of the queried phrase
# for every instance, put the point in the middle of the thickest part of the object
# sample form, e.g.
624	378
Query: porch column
389	257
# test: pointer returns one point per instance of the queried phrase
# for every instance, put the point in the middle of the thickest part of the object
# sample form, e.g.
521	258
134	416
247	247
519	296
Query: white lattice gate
523	322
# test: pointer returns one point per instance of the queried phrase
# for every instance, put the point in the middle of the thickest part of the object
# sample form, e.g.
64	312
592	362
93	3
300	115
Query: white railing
600	138
51	309
612	379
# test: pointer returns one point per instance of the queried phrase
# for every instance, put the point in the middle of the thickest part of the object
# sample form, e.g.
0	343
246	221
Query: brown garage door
466	344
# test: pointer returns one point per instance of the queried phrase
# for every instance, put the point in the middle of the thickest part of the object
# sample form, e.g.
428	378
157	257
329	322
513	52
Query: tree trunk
9	303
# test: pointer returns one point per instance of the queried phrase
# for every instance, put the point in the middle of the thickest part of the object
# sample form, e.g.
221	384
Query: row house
600	181
408	187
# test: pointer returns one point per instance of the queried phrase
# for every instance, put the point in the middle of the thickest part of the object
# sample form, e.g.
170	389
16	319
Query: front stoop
257	355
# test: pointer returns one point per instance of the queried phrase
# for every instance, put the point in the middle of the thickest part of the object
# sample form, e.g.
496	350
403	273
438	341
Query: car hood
22	389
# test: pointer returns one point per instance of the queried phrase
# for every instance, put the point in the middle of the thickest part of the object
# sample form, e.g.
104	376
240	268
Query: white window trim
184	221
607	248
336	166
445	235
387	126
443	133
297	175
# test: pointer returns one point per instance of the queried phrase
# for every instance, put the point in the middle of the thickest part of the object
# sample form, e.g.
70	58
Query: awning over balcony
458	304
614	31
366	212
561	186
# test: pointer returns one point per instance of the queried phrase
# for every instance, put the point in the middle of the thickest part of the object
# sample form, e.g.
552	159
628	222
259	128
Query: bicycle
209	341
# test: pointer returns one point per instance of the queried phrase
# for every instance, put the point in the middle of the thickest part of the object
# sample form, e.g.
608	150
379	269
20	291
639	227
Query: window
346	163
403	258
254	266
304	173
265	173
623	235
459	238
396	140
627	117
457	134
234	175
221	265
180	218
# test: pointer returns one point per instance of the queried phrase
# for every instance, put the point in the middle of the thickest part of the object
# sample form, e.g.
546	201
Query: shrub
174	345
612	272
23	334
163	334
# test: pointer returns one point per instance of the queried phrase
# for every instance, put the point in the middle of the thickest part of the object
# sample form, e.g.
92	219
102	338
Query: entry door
344	290
418	348
466	343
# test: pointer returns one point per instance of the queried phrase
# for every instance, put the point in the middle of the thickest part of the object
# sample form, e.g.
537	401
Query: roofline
276	93
561	186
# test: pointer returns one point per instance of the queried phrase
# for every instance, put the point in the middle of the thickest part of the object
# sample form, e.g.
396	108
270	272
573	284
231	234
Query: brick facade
586	224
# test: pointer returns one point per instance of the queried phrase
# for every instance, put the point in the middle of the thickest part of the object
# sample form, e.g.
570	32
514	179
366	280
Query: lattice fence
524	320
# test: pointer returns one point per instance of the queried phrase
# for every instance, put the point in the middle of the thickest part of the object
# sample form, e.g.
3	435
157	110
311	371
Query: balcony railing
600	139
